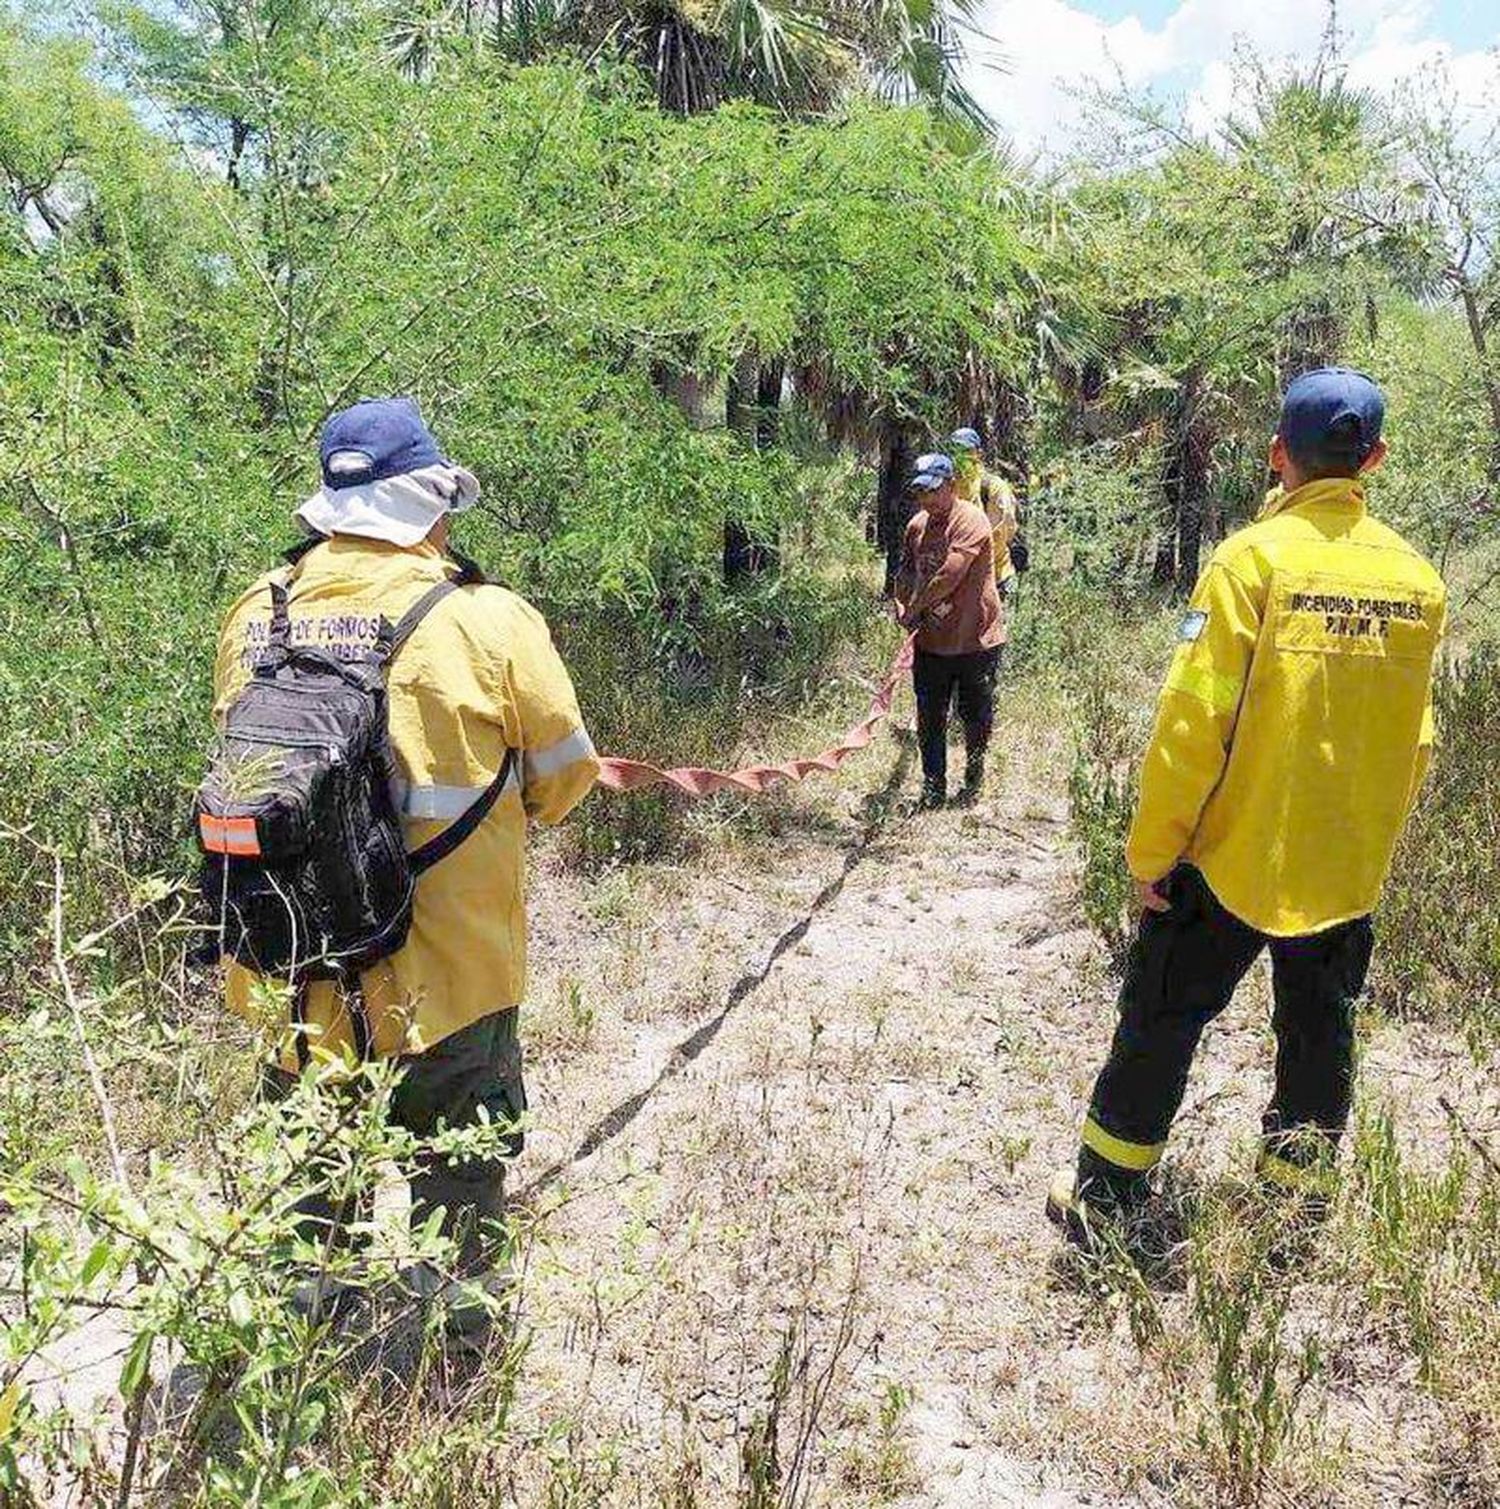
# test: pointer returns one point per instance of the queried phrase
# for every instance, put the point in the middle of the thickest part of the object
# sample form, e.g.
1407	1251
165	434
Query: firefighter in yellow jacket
978	484
479	677
1291	739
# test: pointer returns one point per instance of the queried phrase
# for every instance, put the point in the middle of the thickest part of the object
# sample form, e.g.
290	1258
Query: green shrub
1091	529
1439	924
1239	1304
233	1394
1417	1238
1104	654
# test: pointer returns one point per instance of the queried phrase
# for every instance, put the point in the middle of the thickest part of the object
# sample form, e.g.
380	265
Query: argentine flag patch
1191	627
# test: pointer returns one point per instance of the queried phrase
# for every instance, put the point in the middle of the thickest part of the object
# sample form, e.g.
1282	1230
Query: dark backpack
305	868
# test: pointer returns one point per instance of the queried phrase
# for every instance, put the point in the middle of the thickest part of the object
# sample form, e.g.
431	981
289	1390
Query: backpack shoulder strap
465	823
439	848
468	575
294	553
392	638
281	622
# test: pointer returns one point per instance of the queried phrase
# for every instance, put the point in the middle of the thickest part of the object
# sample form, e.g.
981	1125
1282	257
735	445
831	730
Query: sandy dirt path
818	1203
847	1162
796	1105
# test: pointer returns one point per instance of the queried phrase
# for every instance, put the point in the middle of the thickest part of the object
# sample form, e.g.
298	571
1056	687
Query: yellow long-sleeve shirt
994	495
480	675
1295	724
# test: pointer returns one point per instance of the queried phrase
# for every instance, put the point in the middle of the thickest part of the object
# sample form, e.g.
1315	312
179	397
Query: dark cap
931	471
1331	414
375	439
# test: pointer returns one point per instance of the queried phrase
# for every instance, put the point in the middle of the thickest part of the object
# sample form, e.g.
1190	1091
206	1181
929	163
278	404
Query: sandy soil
796	1105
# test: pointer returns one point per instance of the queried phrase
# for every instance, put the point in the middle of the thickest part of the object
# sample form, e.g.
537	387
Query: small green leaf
137	1364
93	1264
241	1311
8	1402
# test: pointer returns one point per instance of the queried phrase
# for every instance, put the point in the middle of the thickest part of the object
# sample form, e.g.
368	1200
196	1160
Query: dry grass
804	1262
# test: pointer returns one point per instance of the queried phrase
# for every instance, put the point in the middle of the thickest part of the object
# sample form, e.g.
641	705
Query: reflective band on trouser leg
1320	1180
1137	1157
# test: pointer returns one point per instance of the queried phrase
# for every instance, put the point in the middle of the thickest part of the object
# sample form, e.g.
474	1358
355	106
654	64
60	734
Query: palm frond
781	50
920	49
417	30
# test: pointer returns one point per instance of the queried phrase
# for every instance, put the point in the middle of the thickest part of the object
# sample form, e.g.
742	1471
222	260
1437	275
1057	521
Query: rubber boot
1092	1199
973	778
1298	1164
933	798
339	1229
472	1196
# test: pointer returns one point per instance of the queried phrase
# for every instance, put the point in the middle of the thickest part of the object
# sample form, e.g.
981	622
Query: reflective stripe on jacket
995	496
1295	723
480	675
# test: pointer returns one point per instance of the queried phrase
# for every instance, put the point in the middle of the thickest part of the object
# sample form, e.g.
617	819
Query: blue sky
1184	48
1464	23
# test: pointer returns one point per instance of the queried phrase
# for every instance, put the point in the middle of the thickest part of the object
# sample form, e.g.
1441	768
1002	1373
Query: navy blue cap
931	471
375	439
1331	413
966	440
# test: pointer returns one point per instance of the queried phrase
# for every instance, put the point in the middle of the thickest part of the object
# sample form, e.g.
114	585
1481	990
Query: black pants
477	1066
935	678
1183	970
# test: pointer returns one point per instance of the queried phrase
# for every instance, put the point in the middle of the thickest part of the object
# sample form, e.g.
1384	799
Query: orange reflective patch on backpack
229	835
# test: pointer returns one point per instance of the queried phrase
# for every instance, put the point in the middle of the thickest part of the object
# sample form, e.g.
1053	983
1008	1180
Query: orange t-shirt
968	616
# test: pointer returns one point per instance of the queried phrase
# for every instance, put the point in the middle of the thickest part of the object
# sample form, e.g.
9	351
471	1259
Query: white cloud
1052	48
1049	47
1400	55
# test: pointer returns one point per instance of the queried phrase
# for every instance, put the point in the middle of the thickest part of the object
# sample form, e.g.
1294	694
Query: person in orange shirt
945	592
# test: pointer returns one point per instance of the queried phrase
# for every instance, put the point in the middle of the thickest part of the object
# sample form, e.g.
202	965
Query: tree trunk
1007	430
239	138
752	409
685	389
739	397
898	450
768	404
1186	480
1164	572
1312	336
1189	537
1486	372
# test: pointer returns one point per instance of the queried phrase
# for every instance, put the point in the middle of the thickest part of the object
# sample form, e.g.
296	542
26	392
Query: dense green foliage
1441	925
219	231
523	250
662	275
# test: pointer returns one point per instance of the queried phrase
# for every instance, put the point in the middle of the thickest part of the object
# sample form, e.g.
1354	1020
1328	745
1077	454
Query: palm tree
797	56
916	51
800	56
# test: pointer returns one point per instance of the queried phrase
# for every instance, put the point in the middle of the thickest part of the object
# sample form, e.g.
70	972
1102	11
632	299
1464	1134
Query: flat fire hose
697	781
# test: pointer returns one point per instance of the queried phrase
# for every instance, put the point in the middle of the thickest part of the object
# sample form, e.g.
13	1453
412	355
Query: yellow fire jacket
994	495
1295	725
480	675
